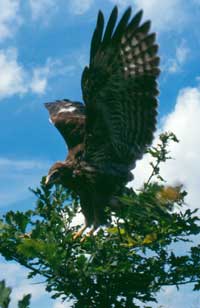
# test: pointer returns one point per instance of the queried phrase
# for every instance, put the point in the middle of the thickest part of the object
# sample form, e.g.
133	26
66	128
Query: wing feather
120	89
121	26
134	23
110	26
97	36
69	118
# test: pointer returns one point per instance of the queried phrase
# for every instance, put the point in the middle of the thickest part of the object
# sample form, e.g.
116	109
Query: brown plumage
114	126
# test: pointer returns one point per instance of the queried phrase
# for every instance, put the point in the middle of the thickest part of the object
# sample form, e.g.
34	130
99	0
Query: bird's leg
91	231
88	234
80	232
25	235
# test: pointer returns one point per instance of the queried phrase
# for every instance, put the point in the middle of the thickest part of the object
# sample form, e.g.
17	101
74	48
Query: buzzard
113	127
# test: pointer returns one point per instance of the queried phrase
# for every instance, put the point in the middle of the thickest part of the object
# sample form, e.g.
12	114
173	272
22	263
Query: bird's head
58	174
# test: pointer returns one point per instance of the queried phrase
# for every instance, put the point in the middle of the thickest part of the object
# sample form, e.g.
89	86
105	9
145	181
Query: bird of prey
107	133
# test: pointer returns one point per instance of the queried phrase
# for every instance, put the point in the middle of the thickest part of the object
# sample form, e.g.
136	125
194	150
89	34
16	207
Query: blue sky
44	46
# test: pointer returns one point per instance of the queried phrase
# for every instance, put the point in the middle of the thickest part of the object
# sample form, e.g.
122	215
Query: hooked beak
52	178
48	180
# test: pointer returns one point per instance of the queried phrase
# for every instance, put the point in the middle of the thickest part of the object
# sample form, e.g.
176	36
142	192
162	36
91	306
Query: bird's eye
52	178
55	175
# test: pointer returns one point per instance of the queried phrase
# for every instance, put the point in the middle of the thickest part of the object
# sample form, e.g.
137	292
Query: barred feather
120	89
113	129
97	36
110	26
69	118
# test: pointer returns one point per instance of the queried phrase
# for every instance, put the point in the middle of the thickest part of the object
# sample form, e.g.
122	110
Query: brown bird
115	125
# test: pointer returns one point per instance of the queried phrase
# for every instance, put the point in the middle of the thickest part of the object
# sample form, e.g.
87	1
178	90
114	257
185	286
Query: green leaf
4	295
25	301
129	259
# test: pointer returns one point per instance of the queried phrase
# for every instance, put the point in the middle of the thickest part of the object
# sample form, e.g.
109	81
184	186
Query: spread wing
69	119
119	89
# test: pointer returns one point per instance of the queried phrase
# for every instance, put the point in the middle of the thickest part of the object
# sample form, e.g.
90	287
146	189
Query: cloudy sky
44	45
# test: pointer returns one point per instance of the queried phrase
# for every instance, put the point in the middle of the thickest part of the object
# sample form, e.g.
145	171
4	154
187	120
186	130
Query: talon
88	234
79	232
25	235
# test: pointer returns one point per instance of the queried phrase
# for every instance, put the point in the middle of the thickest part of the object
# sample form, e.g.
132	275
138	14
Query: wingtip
129	9
128	12
140	13
100	20
114	12
122	24
146	26
115	9
100	15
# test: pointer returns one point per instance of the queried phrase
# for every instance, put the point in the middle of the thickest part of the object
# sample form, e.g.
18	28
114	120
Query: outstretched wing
69	118
119	89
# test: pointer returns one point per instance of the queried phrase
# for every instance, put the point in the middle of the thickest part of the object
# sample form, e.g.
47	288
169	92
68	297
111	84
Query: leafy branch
130	259
5	299
160	154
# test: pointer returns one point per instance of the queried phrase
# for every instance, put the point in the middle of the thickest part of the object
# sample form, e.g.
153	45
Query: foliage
130	259
5	297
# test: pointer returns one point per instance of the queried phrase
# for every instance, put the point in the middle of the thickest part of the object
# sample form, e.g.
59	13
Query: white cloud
172	66
13	75
62	305
184	122
40	79
42	74
9	18
16	79
78	219
42	8
175	65
185	167
7	271
122	3
52	68
21	165
24	288
165	14
170	297
15	276
182	52
16	176
79	7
